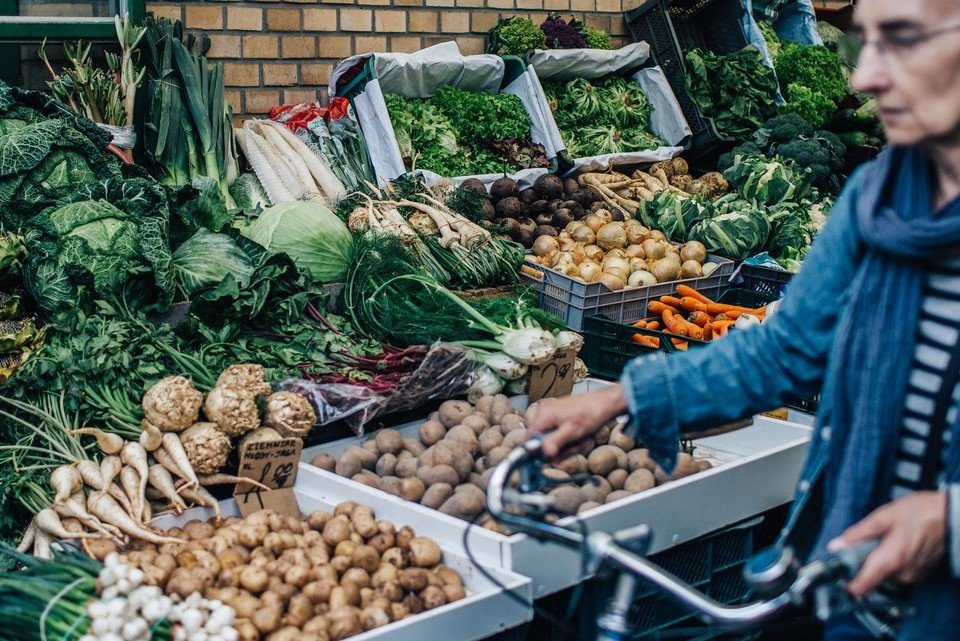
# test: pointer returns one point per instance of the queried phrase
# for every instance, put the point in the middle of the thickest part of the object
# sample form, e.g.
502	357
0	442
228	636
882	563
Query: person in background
792	19
872	321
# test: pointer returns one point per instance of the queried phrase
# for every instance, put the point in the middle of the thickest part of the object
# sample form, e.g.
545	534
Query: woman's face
911	62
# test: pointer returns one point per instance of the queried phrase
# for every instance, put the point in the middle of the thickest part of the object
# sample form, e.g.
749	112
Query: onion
612	236
634	251
636	233
604	215
593	252
665	270
577	254
691	269
573	226
653	249
595	222
616	253
590	271
638	265
566	244
694	250
641	278
708	268
656	234
622	274
612	281
616	262
543	245
675	257
584	235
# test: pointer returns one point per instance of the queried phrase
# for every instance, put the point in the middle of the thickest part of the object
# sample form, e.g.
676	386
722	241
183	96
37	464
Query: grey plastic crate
573	299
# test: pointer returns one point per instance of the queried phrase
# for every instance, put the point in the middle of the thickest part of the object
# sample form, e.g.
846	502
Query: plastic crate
573	299
712	564
765	280
671	27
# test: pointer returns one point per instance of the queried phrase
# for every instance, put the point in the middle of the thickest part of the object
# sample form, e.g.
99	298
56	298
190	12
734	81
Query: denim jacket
759	369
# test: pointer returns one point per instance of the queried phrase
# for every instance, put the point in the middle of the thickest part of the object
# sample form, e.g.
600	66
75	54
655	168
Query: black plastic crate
772	282
671	27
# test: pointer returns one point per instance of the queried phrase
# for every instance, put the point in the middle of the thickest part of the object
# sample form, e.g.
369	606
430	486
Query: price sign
553	378
274	465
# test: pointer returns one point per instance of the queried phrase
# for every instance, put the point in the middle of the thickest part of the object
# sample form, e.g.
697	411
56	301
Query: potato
390	485
297	576
267	618
406	468
438	474
344	622
368	457
602	436
336	530
445	453
385	573
318	591
660	476
246	631
253	579
432	597
389	441
390	590
424	552
365	558
511	422
386	465
371	446
489	440
621	440
513	439
453	412
412	488
324	461
477	422
357	576
596	489
467	501
431	432
555	475
414	579
286	633
299	611
576	464
495	456
244	604
640	480
616	495
366	478
427	457
396	557
605	459
453	592
317	624
703	465
617	478
587	505
404	536
484	479
500	407
686	466
383	541
436	494
317	519
465	437
413	446
349	464
567	498
363	521
448	575
640	459
373	617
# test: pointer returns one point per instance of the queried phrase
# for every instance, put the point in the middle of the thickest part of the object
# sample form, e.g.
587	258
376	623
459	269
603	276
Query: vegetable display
813	79
735	89
607	117
328	575
458	133
517	36
448	465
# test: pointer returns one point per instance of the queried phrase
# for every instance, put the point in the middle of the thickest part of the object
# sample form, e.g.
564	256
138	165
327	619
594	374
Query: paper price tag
553	378
274	464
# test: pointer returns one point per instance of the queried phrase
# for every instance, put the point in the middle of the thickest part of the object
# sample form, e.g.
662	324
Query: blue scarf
899	233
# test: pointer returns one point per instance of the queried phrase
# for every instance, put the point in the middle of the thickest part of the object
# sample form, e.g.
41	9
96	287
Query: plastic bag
445	371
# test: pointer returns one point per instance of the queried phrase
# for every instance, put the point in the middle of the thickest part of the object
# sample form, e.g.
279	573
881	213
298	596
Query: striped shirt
938	331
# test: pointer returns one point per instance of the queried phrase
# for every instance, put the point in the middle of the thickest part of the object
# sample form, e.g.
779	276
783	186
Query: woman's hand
574	419
913	533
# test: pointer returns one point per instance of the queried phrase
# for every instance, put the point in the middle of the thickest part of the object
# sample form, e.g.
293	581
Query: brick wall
282	51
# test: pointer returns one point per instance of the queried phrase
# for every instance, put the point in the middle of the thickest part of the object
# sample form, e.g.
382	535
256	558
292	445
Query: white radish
28	536
130	482
329	184
289	154
104	507
109	443
49	521
207	480
65	480
200	496
151	437
161	479
173	446
135	456
265	173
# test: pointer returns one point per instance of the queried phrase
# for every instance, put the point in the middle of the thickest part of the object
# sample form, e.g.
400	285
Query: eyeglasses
895	47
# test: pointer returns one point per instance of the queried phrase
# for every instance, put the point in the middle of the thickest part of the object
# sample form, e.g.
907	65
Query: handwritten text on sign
273	464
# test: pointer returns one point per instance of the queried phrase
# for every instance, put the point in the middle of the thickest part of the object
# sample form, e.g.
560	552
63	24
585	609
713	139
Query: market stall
198	302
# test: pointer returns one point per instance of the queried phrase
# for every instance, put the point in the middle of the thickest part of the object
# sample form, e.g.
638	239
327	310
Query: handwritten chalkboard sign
274	464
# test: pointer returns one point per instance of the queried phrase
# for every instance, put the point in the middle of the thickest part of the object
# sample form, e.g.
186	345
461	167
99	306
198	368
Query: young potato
464	437
513	439
371	446
367	478
703	465
424	552
246	630
555	475
390	485
453	592
495	456
640	459
414	579
435	474
374	617
489	440
605	459
368	457
345	508
324	461
390	590
404	536
500	408
267	618
396	557
477	422
596	489
619	438
363	521
432	597
617	478
586	506
318	591
299	611
386	465
344	622
467	501
389	441
406	467
414	446
432	432
452	413
365	557
640	480
436	494
399	611
510	423
336	530
349	464
382	541
567	498
412	489
385	573
616	495
244	604
297	576
357	576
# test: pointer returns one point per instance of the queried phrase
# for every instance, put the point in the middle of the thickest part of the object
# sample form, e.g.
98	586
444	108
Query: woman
873	320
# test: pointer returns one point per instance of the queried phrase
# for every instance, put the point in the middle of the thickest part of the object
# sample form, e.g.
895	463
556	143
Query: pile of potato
448	467
322	578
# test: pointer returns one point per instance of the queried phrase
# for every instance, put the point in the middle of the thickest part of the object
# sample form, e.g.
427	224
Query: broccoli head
814	106
822	153
728	159
561	35
786	126
812	66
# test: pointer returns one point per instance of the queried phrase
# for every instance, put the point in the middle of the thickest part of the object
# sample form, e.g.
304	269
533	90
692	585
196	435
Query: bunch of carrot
691	315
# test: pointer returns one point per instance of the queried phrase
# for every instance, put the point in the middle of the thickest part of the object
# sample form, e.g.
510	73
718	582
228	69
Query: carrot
679	344
720	308
693	331
104	507
692	304
708	332
686	290
672	301
720	327
646	341
653	325
657	307
640	324
673	323
734	314
699	318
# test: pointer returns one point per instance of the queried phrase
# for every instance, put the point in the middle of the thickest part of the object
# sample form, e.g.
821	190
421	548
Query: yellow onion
656	234
612	281
691	269
593	252
621	273
543	245
604	215
590	271
708	268
674	256
653	249
566	244
638	265
594	222
612	236
665	270
634	251
693	250
584	235
616	253
616	261
641	278
573	226
576	252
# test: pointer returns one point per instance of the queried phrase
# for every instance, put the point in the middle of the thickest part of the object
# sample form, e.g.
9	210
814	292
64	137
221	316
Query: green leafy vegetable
515	37
206	259
738	230
597	38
